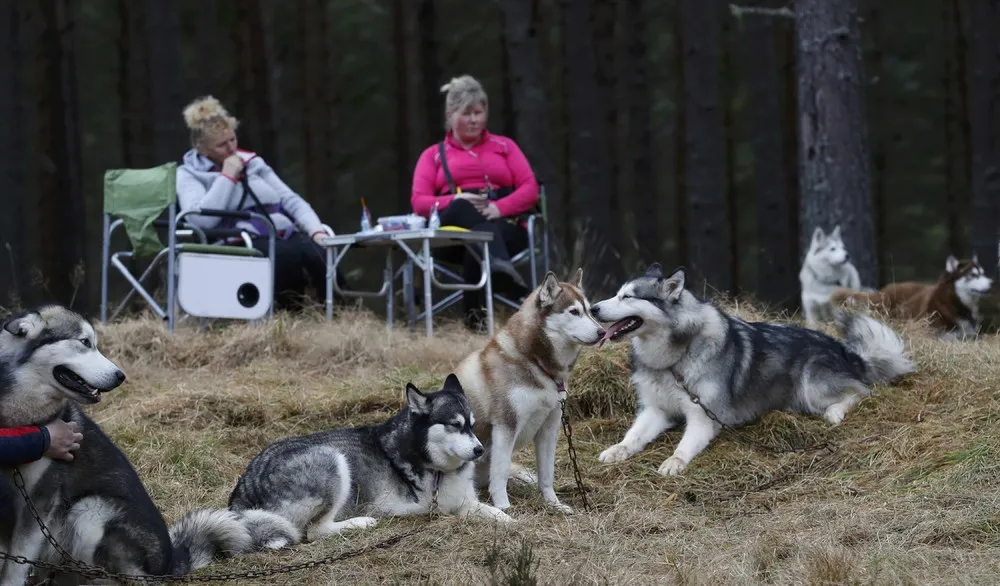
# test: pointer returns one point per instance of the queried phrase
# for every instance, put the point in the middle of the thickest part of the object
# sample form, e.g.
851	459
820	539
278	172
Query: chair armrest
238	214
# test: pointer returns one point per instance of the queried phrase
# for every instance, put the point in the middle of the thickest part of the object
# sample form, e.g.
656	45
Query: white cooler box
223	286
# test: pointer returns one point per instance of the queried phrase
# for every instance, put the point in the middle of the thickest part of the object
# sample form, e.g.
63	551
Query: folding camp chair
537	253
205	280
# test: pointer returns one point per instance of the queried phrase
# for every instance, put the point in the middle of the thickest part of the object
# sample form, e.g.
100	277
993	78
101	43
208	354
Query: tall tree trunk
255	65
835	183
680	146
983	78
13	185
411	124
312	42
133	87
776	267
531	105
589	148
207	42
431	68
166	87
61	188
642	191
790	135
606	44
707	214
879	148
957	128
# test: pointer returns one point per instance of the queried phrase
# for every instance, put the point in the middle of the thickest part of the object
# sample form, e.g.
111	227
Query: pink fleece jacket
495	158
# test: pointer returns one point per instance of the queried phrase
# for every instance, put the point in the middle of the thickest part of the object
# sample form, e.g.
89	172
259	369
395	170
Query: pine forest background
682	131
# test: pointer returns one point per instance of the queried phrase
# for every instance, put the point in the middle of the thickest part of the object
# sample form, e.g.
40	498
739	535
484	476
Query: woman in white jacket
212	177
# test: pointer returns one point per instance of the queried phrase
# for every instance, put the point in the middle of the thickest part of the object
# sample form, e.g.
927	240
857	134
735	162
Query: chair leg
105	250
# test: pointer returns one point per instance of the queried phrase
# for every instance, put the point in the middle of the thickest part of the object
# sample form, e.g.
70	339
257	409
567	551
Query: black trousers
508	240
298	263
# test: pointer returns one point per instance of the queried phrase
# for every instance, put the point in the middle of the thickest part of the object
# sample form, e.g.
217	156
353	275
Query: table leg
390	278
489	289
408	300
428	301
331	270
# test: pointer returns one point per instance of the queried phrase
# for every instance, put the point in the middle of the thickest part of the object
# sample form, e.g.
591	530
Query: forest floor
905	491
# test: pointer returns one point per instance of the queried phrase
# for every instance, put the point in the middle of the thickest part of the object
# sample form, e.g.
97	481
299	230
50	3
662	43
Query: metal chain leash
88	571
738	433
568	431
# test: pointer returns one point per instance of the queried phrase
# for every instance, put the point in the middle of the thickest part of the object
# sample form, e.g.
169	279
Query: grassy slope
905	491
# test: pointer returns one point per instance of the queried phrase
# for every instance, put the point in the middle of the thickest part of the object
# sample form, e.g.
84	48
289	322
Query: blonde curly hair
460	93
206	115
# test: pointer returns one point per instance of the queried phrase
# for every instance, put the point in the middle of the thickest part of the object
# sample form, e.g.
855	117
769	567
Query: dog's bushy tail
881	349
269	530
204	534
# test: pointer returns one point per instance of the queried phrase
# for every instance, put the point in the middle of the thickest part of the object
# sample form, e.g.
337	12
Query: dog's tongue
611	331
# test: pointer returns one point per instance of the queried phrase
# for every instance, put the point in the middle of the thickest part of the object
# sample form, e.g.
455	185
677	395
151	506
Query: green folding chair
207	280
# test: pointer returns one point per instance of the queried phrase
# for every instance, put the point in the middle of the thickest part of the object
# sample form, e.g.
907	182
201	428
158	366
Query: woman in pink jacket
480	181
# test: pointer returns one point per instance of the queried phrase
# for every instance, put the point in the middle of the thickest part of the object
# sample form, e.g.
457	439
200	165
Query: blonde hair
206	115
460	93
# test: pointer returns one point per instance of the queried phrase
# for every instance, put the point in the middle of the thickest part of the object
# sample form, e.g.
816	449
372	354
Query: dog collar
560	385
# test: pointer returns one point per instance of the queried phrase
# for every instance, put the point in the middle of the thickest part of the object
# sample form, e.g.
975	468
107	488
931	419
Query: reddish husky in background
951	304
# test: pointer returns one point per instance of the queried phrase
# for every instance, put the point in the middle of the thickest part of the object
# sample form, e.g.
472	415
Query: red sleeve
525	195
20	445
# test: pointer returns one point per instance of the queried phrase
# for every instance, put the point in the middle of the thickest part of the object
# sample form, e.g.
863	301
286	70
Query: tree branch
739	11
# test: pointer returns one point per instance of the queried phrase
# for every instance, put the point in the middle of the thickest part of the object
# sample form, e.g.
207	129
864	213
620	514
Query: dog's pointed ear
951	265
672	287
654	271
818	236
416	400
549	290
836	232
578	278
26	325
451	383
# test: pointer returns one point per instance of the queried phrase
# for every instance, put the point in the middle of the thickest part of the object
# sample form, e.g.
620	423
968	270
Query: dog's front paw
672	466
835	414
503	517
562	508
615	453
501	503
360	523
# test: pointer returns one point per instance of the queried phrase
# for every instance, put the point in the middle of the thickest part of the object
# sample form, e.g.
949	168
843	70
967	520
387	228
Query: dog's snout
847	256
119	377
601	332
595	309
478	451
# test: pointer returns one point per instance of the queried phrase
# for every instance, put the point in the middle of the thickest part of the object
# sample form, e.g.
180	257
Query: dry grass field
905	491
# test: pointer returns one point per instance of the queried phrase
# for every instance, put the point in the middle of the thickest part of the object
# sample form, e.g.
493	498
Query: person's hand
232	166
491	211
319	235
63	440
477	200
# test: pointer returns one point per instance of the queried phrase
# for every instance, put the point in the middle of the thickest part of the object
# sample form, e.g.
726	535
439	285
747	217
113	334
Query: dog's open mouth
620	328
75	383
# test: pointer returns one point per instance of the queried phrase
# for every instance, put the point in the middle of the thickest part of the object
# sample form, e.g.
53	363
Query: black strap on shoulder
444	167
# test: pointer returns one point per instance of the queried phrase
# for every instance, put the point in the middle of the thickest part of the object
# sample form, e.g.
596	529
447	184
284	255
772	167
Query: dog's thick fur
308	487
737	370
951	305
94	505
826	268
514	382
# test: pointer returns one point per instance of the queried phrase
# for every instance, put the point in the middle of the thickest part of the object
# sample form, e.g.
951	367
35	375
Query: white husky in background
827	267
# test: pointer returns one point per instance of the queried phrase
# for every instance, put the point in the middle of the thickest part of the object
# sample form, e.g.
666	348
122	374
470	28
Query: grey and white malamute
737	370
341	479
95	505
